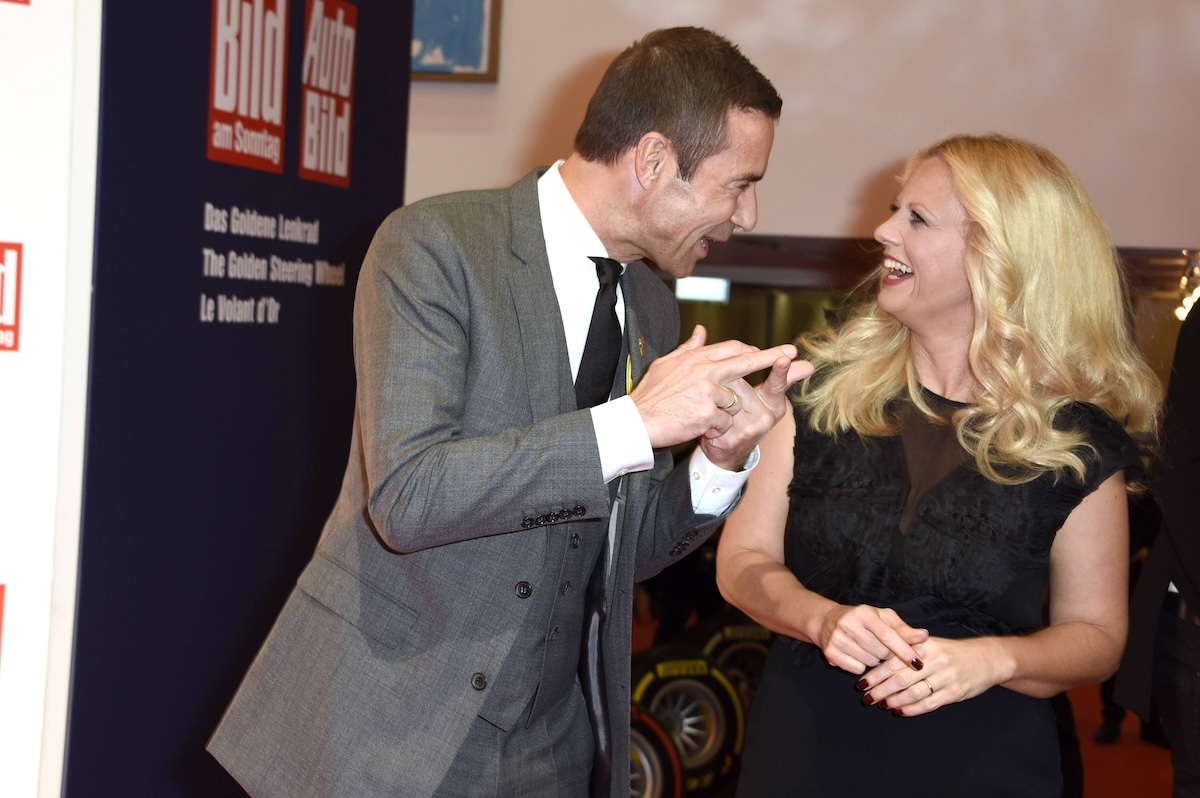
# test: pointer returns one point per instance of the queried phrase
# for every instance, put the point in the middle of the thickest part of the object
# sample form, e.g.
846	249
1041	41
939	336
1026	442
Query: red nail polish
917	664
867	700
897	713
862	684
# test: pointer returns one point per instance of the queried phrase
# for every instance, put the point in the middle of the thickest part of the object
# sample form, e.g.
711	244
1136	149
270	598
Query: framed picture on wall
456	40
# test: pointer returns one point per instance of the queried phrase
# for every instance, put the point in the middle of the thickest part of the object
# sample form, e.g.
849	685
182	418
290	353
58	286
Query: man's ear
652	158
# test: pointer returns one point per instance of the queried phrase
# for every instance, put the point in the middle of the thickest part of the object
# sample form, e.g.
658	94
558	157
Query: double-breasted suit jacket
450	576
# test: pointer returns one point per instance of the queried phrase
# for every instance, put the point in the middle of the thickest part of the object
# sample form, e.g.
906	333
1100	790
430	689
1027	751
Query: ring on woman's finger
732	401
930	686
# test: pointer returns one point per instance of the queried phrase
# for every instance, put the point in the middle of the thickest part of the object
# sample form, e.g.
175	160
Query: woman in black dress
961	450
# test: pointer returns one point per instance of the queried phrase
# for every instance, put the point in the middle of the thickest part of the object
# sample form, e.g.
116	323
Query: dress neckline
939	399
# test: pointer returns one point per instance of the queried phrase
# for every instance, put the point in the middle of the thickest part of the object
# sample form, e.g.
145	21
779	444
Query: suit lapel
639	347
531	285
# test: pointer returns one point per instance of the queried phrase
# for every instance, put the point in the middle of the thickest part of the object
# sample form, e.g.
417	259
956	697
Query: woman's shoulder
1092	421
1111	448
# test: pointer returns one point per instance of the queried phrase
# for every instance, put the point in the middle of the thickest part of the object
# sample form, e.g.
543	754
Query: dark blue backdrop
214	451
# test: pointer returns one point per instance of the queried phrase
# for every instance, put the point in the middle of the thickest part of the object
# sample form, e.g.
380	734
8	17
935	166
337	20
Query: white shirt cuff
622	438
714	490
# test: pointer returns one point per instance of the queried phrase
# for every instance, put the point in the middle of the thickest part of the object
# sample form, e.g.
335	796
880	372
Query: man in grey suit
489	520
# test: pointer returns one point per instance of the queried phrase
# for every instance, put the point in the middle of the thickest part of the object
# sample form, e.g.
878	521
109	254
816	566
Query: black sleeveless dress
908	522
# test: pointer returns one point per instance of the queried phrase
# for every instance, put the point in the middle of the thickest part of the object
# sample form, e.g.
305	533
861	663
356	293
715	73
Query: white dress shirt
620	434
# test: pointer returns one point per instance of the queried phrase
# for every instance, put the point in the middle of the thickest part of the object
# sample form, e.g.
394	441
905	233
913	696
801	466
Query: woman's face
924	284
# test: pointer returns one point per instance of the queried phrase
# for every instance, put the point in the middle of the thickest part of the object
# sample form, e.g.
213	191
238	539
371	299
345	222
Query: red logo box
247	83
10	296
327	77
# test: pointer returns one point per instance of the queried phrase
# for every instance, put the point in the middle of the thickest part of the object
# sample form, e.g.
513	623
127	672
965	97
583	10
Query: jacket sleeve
667	527
451	446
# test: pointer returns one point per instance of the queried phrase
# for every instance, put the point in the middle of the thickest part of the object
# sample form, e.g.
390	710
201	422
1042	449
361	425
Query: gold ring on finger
732	401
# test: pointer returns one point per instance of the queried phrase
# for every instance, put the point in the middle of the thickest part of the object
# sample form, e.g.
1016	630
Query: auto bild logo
327	75
247	66
10	297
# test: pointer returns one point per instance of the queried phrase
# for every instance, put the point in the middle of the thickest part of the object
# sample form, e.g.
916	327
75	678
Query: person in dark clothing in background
1162	656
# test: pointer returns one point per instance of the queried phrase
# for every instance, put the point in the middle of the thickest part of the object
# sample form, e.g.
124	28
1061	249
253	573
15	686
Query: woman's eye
914	218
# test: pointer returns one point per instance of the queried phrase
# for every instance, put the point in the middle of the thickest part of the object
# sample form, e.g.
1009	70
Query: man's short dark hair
681	82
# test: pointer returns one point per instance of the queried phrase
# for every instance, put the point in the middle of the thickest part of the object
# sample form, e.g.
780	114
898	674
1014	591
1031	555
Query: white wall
1113	86
49	95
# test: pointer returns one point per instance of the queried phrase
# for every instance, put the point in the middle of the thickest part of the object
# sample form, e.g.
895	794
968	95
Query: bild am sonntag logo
247	83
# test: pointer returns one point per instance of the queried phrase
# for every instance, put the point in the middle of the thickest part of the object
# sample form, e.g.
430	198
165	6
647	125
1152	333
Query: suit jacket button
575	540
478	681
524	590
554	633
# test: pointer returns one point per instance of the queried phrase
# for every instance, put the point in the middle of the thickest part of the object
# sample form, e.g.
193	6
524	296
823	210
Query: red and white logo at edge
10	296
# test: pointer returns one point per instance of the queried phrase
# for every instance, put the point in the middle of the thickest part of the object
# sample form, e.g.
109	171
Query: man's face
682	218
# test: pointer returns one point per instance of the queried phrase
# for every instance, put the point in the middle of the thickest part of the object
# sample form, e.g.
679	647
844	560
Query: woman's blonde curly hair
1052	322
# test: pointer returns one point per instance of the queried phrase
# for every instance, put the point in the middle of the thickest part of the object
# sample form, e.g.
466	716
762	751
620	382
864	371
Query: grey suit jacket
472	480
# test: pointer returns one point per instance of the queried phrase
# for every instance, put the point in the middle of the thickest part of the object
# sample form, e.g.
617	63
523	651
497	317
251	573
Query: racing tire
654	767
738	645
698	706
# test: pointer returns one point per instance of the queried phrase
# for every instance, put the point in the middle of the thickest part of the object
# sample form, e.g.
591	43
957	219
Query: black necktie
603	348
594	383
